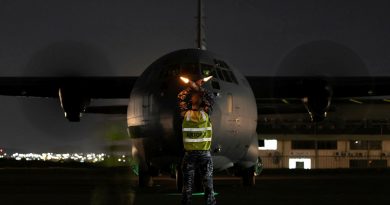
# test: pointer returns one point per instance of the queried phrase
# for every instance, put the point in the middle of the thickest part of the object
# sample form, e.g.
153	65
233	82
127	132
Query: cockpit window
220	74
233	77
225	65
176	70
190	69
220	63
224	71
206	69
171	71
227	76
214	73
209	70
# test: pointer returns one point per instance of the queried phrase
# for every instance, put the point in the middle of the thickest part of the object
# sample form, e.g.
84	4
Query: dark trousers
201	161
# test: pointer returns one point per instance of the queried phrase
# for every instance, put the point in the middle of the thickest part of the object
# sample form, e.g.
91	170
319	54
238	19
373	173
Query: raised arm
183	100
208	101
184	97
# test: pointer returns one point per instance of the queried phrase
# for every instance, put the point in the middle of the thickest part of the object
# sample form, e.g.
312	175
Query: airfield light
185	80
207	78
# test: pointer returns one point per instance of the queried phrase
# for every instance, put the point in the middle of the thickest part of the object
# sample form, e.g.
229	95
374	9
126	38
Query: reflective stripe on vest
197	140
197	131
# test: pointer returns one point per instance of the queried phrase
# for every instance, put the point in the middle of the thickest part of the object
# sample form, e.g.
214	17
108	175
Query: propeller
62	59
319	60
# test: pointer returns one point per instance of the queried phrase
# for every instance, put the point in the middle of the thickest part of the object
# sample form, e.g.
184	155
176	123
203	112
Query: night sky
121	38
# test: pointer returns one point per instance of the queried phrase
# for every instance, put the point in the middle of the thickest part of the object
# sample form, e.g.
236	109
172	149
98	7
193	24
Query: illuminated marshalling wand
192	83
185	80
207	78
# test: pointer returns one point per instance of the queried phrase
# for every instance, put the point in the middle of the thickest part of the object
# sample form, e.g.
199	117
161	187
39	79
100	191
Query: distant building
355	135
325	151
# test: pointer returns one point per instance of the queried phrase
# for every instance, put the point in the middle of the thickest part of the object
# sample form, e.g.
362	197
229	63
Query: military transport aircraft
152	112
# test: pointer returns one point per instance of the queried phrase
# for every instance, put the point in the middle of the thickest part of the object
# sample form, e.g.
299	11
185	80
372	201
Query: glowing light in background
55	157
296	163
270	145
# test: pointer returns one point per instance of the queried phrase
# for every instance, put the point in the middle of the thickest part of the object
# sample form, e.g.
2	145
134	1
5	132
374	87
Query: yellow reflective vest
197	130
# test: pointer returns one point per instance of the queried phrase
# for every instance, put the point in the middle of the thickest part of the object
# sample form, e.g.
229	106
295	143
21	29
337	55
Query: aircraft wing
75	93
297	87
316	95
48	87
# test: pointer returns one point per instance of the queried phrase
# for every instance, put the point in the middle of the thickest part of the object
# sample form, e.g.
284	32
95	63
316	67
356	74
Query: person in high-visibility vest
197	136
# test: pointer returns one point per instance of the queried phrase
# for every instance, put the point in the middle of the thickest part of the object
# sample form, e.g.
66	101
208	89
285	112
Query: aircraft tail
200	35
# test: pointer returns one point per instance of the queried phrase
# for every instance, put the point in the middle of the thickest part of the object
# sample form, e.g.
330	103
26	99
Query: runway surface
100	186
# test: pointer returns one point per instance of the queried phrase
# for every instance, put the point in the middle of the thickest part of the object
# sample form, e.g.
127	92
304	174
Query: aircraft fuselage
154	122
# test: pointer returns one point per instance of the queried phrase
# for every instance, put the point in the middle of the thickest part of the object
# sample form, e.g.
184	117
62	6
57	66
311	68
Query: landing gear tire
179	179
145	179
248	177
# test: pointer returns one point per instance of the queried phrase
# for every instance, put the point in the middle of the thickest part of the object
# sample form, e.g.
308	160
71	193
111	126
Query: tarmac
106	186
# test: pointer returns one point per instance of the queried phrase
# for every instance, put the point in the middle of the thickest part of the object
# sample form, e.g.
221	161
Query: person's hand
197	85
194	85
199	82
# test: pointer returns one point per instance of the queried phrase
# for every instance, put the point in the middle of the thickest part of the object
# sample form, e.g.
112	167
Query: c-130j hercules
153	119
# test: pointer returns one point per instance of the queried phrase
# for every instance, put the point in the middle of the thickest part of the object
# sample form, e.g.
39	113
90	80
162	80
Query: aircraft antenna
200	34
